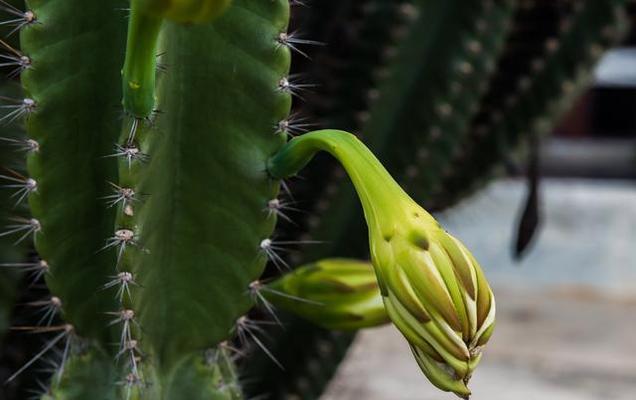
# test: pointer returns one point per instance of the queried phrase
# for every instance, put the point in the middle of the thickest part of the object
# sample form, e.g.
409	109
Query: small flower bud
337	294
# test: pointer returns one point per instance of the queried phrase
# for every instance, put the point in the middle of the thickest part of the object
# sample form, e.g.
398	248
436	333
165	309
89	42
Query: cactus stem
65	333
17	109
14	58
27	226
292	41
27	145
247	332
25	185
22	18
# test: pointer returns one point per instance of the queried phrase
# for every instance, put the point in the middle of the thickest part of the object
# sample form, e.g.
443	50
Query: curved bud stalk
337	294
140	66
434	290
185	11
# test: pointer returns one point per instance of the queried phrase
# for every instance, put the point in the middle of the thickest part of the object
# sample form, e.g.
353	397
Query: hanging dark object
531	215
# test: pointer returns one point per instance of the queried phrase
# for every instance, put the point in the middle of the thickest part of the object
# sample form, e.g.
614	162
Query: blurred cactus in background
146	205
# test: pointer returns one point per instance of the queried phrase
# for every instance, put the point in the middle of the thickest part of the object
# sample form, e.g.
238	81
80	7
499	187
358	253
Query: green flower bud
185	11
337	294
437	296
434	290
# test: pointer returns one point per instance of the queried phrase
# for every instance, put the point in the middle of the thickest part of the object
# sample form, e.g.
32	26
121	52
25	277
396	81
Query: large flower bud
435	293
434	290
337	294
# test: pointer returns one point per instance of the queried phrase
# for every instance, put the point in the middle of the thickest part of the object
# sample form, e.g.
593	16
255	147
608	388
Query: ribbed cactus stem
138	75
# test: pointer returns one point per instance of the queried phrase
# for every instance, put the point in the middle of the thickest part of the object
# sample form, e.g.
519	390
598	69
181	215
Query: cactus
118	218
157	216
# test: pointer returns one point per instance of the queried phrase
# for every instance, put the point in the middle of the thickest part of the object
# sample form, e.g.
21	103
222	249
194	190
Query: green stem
379	193
138	75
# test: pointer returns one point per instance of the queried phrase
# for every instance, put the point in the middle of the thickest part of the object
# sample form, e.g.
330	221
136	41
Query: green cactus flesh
203	219
76	125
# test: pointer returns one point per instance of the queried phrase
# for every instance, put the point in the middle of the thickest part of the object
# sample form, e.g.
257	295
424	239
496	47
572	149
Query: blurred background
567	306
